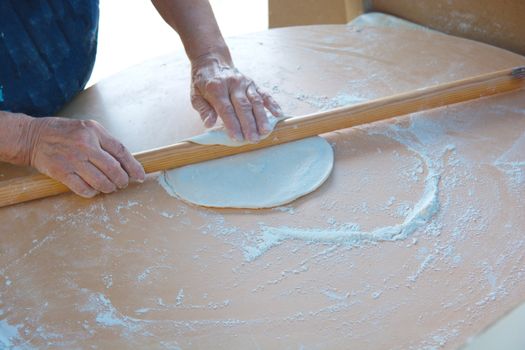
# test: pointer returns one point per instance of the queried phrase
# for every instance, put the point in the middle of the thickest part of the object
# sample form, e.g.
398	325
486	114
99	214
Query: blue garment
47	52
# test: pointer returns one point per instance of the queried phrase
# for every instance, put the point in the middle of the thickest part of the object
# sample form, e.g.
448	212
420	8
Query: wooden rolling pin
32	187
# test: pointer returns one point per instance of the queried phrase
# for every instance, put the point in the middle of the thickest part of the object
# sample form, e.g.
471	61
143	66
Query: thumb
206	111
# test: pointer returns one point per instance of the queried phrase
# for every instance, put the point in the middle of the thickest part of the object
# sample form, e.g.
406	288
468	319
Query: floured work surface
415	241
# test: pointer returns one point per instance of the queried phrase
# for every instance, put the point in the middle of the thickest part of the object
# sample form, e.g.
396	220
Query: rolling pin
32	187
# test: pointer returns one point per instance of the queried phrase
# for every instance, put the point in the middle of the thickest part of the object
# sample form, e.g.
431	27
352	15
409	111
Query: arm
218	88
14	131
80	154
194	21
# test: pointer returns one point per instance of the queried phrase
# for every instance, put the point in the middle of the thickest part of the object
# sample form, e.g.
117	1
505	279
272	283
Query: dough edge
219	137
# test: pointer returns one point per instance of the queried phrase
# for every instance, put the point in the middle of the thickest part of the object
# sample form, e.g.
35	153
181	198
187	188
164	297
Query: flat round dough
260	179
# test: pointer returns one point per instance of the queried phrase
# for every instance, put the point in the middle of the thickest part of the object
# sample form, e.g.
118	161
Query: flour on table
263	178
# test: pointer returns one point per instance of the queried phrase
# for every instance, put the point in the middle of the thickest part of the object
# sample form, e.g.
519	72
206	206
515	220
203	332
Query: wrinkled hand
82	155
220	90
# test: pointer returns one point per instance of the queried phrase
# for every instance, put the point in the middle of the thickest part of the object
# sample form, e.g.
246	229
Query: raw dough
218	136
260	179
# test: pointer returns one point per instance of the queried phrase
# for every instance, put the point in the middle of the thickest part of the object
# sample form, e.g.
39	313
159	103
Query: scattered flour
350	233
324	103
335	295
436	163
512	164
9	334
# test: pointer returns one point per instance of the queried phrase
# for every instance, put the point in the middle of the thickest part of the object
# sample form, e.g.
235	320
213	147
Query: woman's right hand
82	155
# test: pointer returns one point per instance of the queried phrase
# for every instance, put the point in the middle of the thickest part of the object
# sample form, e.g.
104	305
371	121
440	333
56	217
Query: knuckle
239	81
260	115
256	99
69	179
104	185
121	150
112	164
118	149
74	183
234	78
118	175
263	94
89	124
239	76
227	110
90	150
79	124
213	85
83	139
111	167
244	103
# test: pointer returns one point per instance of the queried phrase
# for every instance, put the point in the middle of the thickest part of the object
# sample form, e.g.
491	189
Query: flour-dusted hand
82	155
220	90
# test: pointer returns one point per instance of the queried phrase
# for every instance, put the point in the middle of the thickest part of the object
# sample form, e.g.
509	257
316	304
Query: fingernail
254	137
238	137
207	121
89	193
277	109
139	179
142	175
266	128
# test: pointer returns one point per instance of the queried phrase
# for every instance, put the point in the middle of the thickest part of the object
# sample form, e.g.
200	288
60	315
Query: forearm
195	23
219	90
15	132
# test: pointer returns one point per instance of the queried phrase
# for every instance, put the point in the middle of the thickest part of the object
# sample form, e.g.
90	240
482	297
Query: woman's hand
82	155
220	90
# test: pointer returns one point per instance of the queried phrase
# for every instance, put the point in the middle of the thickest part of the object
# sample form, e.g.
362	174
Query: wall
496	22
285	13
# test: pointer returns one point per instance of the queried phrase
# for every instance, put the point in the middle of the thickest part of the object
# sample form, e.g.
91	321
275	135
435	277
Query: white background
132	31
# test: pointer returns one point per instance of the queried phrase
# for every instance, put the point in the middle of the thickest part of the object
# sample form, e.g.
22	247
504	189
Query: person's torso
47	52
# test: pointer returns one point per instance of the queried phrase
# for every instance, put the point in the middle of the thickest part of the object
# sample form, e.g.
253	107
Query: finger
220	100
210	120
263	125
270	103
62	170
118	151
77	185
244	110
206	112
95	178
110	167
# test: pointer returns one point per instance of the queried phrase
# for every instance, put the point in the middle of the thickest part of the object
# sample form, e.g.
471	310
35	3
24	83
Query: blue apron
47	52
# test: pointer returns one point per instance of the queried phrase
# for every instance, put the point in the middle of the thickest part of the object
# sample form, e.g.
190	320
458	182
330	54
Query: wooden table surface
140	269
